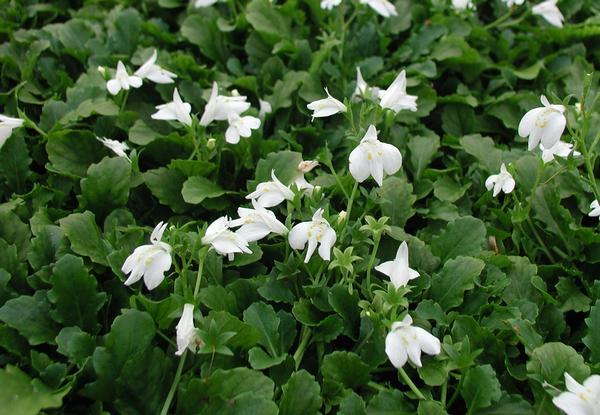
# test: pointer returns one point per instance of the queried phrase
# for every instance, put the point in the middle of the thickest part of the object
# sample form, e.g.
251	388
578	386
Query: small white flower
150	70
317	231
7	124
257	223
595	206
219	107
560	149
510	3
269	194
502	181
264	109
405	342
299	180
174	110
204	3
462	4
326	106
372	158
398	269
580	399
361	86
149	261
545	124
122	80
382	7
117	147
329	4
549	11
223	240
396	98
186	332
240	127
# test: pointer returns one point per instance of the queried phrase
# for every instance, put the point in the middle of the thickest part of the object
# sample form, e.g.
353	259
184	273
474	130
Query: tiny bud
102	70
317	188
578	108
308	165
210	144
235	93
341	216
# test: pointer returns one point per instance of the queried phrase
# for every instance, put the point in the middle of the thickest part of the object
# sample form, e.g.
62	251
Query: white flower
174	110
510	3
502	181
545	124
264	109
560	149
186	332
204	3
7	124
299	180
361	86
326	106
595	206
405	342
580	399
149	261
396	98
240	127
269	194
117	147
549	11
317	231
329	4
150	70
398	269
257	223
223	240
462	4
382	7
219	107
372	158
122	80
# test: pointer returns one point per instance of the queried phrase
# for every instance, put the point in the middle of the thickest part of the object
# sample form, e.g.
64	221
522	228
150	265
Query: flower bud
210	144
102	70
341	216
307	165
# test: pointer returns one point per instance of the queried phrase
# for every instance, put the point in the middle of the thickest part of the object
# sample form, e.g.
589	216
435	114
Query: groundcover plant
299	207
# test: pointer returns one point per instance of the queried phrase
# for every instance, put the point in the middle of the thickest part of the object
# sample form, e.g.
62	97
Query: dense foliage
507	283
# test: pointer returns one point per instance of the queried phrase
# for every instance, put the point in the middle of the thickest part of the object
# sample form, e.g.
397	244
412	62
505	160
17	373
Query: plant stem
499	20
201	257
171	394
372	259
351	201
302	346
410	384
124	102
444	393
337	179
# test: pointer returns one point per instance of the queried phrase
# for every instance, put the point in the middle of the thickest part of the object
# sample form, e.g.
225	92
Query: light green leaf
457	276
197	188
85	236
480	388
464	236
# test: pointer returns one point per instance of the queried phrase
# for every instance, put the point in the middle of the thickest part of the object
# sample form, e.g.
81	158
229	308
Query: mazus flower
204	3
257	223
595	206
372	158
326	106
382	7
510	3
123	80
545	124
550	12
560	149
149	261
405	342
315	232
304	167
150	70
117	147
462	4
220	107
580	399
269	194
7	124
240	127
224	240
501	181
330	4
186	332
396	98
398	269
174	110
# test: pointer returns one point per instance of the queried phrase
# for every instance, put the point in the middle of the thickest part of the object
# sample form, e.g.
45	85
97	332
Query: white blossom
149	261
462	4
580	399
122	80
550	12
299	180
372	158
257	223
510	3
396	98
595	206
502	181
117	147
315	232
398	269
560	149
186	332
330	4
7	124
240	127
326	106
382	7
220	107
269	194
174	110
204	3
224	240
150	70
405	342
545	124
264	108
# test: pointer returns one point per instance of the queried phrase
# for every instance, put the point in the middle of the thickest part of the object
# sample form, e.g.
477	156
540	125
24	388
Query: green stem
410	384
124	102
456	391
444	393
201	257
351	201
499	20
171	394
377	386
337	179
302	346
540	240
372	259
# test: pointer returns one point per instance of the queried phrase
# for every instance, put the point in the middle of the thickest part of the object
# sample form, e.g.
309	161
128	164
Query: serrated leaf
195	189
106	186
463	236
14	163
457	276
345	370
30	315
422	151
301	395
480	388
396	200
165	184
85	236
263	317
592	338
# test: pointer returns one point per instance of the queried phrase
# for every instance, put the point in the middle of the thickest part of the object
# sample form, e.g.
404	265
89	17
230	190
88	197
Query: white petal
327	242
253	231
414	353
527	123
392	159
113	86
155	271
312	245
572	404
376	169
386	268
554	129
359	164
395	350
427	341
298	236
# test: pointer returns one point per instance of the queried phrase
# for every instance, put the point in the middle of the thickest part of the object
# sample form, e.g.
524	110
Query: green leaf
75	344
458	120
74	294
422	151
484	150
266	18
346	305
301	395
284	88
197	188
85	237
14	163
106	186
457	276
30	315
431	408
480	388
124	31
202	31
390	402
71	152
592	338
232	383
21	395
263	317
463	236
396	200
165	184
446	189
344	370
549	362
571	297
285	164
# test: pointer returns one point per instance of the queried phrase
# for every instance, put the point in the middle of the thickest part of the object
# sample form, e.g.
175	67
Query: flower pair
149	70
